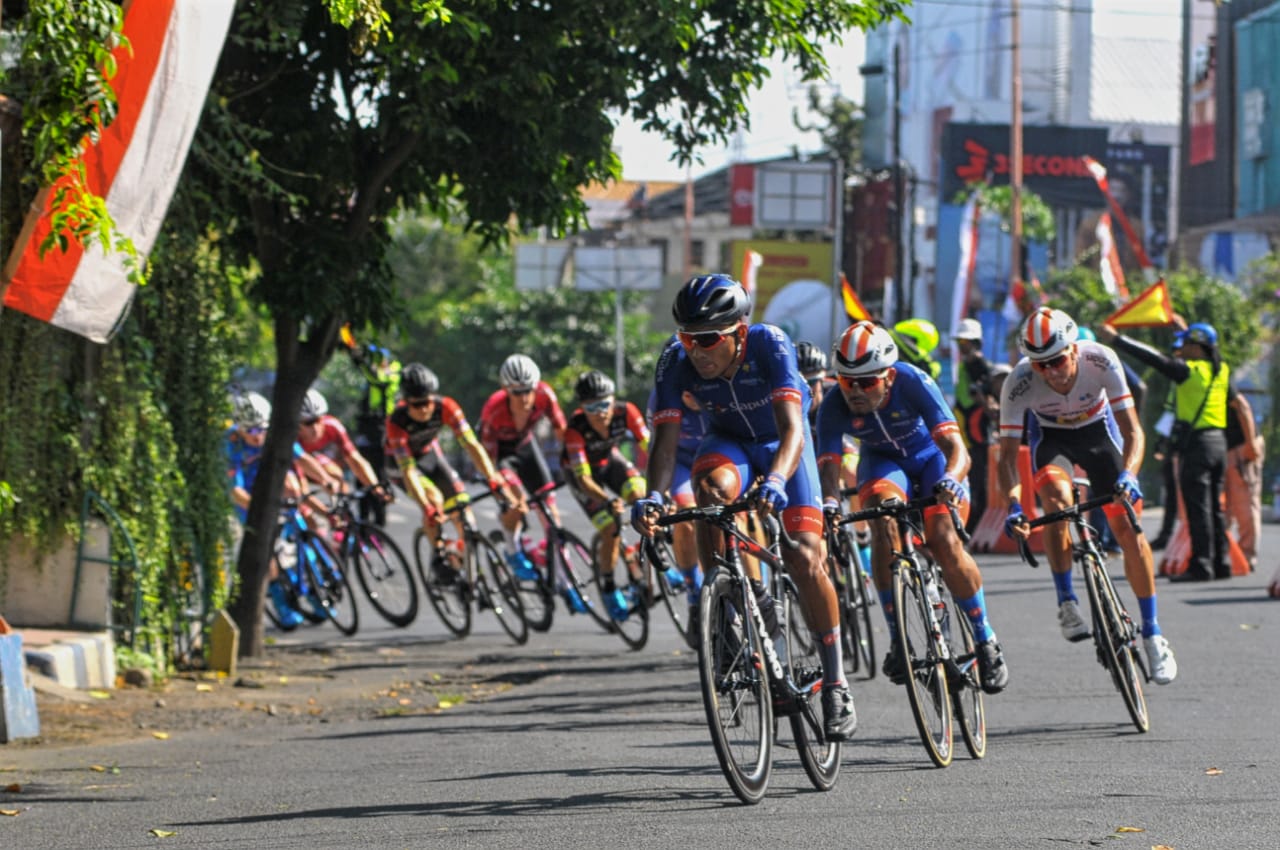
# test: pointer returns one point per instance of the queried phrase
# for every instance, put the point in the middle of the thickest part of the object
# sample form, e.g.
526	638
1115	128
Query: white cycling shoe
1164	667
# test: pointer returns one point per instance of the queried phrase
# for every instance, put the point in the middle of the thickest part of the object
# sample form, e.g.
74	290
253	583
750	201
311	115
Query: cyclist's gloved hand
1015	517
1127	484
774	491
641	508
953	490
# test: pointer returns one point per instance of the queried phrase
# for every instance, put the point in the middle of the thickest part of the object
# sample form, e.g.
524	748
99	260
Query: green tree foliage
316	135
840	126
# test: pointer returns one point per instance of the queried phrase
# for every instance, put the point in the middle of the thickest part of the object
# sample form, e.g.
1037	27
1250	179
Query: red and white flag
1112	271
962	291
160	87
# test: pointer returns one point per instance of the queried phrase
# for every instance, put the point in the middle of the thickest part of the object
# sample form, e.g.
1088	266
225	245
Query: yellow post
224	644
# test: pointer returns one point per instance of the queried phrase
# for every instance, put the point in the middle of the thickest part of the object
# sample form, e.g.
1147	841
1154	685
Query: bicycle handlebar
1072	512
894	508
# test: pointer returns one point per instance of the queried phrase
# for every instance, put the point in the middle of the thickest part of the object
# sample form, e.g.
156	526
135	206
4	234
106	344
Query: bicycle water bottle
939	607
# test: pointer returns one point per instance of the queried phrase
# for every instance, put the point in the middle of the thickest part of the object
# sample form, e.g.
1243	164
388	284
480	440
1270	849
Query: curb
82	660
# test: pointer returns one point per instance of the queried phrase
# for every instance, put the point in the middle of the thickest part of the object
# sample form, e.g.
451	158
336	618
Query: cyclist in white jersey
1082	413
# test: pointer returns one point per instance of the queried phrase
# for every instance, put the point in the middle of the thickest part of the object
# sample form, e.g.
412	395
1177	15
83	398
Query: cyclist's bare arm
1135	441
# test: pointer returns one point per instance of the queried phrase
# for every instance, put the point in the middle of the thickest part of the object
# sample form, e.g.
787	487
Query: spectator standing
1244	479
1202	394
381	372
972	388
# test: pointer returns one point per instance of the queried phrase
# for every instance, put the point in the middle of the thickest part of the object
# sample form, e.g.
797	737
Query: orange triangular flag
852	304
1151	309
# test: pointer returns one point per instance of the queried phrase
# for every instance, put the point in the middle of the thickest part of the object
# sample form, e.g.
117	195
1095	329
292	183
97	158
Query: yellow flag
852	304
1151	309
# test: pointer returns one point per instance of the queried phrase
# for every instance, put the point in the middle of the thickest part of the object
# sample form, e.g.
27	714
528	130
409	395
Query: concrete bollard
18	717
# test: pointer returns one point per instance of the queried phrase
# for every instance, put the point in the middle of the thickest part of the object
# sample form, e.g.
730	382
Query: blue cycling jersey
740	406
903	427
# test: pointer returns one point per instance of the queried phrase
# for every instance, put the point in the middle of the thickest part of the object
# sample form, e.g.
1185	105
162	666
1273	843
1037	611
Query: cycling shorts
753	460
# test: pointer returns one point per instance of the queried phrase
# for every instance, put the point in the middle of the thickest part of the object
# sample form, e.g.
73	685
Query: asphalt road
598	746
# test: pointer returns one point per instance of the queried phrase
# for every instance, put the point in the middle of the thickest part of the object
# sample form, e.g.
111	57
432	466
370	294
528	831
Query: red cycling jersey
498	431
331	440
407	437
584	446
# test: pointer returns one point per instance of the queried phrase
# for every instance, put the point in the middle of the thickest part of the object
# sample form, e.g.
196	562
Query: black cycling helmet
593	385
810	358
710	300
417	381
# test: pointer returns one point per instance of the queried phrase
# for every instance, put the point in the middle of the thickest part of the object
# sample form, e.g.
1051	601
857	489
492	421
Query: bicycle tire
966	690
634	627
927	684
497	589
735	690
536	597
855	597
1116	639
332	586
383	573
580	569
296	585
269	608
819	757
452	600
659	557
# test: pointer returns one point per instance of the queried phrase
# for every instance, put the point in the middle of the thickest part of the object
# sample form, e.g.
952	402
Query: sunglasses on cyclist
703	339
601	406
309	422
1051	363
519	390
253	432
863	382
419	403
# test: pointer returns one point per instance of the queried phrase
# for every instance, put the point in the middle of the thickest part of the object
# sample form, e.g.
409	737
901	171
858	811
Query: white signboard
795	195
617	268
540	265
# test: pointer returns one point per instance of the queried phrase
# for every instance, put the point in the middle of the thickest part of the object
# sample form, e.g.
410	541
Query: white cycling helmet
519	370
252	411
864	349
1047	333
313	406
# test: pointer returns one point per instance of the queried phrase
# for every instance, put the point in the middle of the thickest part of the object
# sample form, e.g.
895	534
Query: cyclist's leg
1054	453
721	472
683	544
883	478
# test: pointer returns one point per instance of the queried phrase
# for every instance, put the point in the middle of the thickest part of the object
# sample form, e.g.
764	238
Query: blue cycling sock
1150	625
975	608
831	652
1062	581
886	602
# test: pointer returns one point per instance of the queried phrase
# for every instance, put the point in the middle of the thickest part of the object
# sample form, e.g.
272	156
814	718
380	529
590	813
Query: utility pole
899	272
1015	149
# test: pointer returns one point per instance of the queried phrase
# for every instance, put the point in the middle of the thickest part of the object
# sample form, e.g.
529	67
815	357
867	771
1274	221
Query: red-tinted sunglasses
703	339
865	382
418	402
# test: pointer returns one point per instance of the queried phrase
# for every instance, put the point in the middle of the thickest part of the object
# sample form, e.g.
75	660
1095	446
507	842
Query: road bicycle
565	566
856	595
473	574
311	573
1114	633
376	560
743	676
937	649
633	624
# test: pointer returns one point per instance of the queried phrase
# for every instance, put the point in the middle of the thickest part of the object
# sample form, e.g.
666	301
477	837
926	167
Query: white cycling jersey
1100	387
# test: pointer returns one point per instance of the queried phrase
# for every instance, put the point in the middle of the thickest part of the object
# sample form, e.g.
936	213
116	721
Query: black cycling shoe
894	669
993	672
839	720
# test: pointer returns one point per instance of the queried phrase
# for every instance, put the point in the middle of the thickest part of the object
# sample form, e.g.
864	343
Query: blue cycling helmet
1086	334
710	300
1202	333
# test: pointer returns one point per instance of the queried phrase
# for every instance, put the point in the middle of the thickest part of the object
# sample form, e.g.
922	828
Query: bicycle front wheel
383	573
819	757
927	684
330	584
966	690
735	690
447	590
498	590
633	623
1117	641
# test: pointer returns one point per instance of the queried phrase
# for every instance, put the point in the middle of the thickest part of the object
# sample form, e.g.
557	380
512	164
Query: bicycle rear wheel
1117	641
659	558
966	690
856	594
735	691
330	584
819	757
383	573
497	589
927	685
634	627
580	571
448	593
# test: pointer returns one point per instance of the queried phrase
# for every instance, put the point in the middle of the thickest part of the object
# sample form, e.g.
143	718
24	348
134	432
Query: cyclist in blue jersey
756	405
911	446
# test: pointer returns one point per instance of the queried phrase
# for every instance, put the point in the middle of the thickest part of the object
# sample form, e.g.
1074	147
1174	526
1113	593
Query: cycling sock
975	608
1150	625
1062	581
832	655
510	547
886	603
